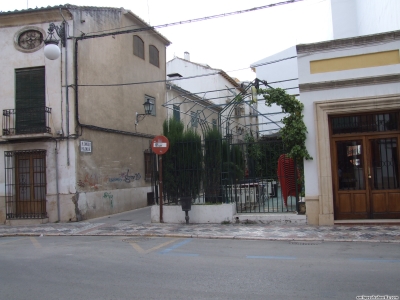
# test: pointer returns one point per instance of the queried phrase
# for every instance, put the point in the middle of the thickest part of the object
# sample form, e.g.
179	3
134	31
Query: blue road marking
376	260
168	250
271	257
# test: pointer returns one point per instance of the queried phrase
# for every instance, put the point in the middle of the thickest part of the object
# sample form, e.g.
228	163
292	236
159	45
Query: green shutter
30	100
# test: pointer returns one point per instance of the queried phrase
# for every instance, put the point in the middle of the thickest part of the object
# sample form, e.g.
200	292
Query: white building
351	92
216	86
348	18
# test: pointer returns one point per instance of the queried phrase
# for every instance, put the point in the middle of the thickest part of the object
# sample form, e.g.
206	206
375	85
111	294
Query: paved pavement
137	223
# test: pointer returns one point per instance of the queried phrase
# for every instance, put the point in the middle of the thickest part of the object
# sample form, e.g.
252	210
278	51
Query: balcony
26	123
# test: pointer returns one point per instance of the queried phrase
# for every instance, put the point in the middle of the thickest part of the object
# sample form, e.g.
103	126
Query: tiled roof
71	6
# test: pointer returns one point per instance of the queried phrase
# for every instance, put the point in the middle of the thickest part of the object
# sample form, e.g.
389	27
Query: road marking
35	242
376	260
142	251
271	257
168	250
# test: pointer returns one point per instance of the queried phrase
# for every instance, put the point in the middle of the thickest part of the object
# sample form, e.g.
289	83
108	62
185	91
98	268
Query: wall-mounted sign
86	146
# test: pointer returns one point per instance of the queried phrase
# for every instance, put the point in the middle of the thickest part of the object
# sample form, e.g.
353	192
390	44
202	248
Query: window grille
25	184
214	123
365	123
154	56
138	46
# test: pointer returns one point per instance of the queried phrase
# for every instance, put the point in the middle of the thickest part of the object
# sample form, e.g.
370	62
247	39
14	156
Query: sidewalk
344	233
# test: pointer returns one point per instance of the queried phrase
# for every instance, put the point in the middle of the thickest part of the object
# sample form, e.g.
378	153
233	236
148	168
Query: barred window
25	184
154	56
138	46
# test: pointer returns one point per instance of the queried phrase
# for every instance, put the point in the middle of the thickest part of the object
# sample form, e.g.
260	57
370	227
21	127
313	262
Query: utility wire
86	36
144	82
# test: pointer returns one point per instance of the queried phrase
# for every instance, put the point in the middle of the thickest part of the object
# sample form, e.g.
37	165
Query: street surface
140	267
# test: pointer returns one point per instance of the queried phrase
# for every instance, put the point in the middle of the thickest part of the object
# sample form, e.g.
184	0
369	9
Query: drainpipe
57	189
66	92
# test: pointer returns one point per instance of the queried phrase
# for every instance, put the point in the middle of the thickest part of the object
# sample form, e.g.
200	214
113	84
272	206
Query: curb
175	235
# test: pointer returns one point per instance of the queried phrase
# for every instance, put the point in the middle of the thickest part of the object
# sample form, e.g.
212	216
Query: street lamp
148	108
51	49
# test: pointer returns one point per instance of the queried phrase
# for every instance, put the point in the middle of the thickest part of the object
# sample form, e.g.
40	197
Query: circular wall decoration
29	39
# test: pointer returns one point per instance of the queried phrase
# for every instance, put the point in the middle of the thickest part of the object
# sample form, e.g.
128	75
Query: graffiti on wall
110	197
94	181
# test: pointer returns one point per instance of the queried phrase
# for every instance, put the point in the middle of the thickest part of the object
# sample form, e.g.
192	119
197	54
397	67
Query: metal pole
160	187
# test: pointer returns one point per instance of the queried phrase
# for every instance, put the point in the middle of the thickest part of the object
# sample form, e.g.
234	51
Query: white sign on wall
86	146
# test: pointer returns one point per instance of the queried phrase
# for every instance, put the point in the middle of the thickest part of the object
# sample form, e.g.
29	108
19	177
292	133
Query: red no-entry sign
160	145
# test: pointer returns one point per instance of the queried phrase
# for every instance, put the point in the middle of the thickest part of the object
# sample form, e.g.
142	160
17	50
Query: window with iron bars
25	184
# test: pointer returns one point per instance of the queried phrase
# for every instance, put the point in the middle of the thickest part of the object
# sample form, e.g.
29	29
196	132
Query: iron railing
26	121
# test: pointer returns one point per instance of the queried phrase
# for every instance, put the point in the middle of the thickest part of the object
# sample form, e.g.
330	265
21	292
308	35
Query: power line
145	82
86	36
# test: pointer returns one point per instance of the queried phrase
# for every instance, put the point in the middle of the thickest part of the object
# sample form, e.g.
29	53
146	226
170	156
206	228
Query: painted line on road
168	250
375	260
35	243
270	257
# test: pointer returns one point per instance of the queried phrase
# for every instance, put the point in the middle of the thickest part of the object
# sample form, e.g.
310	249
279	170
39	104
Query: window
25	184
214	123
30	101
193	120
154	56
149	160
177	112
153	101
138	46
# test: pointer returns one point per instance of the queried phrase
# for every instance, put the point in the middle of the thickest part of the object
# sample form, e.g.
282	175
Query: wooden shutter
154	56
138	46
30	100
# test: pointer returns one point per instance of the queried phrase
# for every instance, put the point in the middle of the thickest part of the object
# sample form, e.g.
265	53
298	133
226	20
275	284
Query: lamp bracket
60	30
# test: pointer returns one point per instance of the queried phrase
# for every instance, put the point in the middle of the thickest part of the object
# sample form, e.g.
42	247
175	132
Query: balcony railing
26	121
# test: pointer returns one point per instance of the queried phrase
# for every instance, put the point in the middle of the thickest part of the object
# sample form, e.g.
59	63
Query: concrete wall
111	178
362	17
201	214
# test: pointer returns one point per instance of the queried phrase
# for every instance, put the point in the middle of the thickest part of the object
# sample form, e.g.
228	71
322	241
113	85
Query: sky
230	43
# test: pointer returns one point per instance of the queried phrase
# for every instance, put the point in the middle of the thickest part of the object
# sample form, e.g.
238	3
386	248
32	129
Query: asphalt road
172	268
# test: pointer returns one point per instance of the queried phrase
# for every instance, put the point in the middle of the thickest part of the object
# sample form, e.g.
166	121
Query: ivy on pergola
294	131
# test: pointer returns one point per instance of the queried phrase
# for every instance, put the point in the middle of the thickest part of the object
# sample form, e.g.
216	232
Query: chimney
186	56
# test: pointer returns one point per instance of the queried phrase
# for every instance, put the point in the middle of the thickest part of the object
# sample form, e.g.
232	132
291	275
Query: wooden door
30	172
351	196
383	176
366	177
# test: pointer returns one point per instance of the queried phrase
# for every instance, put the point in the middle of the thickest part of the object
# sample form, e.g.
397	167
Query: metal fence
246	173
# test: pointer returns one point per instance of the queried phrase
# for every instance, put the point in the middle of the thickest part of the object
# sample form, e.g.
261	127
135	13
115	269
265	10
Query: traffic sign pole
160	146
160	185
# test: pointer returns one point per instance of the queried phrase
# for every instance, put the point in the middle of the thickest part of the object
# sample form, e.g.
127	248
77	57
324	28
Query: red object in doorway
287	177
